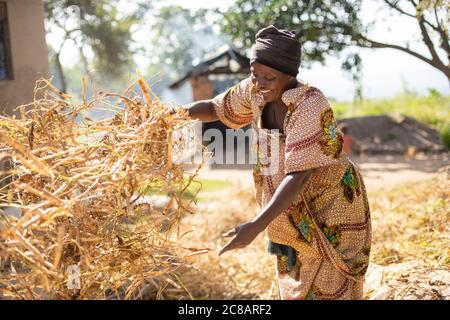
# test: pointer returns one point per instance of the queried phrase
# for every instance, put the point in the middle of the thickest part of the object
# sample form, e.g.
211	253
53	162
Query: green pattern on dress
257	168
333	235
350	184
305	226
312	295
332	141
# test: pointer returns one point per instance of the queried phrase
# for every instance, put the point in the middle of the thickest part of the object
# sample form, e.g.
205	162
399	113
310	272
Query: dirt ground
247	273
379	171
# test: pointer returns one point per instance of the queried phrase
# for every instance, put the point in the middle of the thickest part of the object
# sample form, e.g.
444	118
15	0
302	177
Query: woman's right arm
202	110
232	107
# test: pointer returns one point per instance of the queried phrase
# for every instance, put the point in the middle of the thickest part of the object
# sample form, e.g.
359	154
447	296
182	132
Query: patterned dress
328	226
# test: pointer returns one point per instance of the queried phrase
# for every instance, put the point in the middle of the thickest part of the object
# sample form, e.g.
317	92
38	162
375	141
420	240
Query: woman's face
269	82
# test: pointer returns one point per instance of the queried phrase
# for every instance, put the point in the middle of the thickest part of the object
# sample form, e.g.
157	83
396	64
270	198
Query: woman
314	205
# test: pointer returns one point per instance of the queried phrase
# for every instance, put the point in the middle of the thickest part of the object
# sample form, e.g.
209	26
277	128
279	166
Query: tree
178	38
353	65
327	27
97	26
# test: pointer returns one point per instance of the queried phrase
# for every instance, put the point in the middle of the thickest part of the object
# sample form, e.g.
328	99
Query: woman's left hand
242	235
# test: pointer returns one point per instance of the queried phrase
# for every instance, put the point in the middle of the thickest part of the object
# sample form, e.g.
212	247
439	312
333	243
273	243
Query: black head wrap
277	49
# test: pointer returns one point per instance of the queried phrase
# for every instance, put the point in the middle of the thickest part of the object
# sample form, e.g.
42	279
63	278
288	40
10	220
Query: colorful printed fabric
350	183
329	224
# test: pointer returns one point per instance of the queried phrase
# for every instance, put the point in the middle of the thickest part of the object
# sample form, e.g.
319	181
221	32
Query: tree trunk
61	74
84	60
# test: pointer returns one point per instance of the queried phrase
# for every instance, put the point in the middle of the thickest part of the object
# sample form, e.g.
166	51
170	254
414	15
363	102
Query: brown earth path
379	171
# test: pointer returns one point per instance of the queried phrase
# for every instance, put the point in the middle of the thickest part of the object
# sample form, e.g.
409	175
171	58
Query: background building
223	69
23	52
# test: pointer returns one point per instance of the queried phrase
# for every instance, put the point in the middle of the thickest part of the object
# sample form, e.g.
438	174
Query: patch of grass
203	187
198	188
433	109
209	185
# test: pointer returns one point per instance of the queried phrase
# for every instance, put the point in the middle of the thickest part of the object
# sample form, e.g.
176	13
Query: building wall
28	50
202	88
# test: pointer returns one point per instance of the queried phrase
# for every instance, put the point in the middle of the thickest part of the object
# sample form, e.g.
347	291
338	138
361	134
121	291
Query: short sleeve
233	107
312	137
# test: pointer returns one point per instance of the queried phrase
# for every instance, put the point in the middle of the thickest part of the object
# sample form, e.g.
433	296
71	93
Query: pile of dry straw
79	186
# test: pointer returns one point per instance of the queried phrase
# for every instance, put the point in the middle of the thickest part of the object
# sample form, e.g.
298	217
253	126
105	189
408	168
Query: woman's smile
270	83
265	93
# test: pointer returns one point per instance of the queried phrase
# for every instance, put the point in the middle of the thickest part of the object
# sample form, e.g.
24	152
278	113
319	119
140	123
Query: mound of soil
393	134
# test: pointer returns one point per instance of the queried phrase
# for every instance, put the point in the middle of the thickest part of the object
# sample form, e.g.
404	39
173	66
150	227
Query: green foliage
353	64
99	27
424	5
178	36
433	109
110	39
171	43
323	29
445	135
327	27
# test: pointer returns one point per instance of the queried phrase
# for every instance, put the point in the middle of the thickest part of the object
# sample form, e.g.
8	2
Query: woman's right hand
202	110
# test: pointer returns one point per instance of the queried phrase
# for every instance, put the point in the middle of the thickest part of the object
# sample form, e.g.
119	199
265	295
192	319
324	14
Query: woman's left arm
286	193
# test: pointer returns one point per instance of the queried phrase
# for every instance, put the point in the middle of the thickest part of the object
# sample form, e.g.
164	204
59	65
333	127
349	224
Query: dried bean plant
84	190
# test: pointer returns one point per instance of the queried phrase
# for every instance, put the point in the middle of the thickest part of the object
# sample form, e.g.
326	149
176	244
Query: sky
386	72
